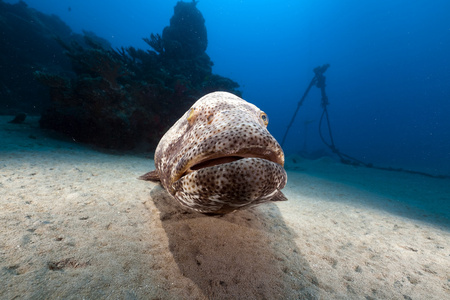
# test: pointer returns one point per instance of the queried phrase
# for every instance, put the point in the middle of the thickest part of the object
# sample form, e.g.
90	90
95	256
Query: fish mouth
222	159
214	162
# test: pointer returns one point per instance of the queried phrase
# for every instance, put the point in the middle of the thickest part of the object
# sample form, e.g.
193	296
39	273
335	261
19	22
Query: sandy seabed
75	223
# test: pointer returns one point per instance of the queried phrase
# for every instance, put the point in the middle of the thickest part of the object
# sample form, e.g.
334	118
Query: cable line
319	81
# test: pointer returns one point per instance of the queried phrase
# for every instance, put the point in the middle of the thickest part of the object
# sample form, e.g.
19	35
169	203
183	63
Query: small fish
220	157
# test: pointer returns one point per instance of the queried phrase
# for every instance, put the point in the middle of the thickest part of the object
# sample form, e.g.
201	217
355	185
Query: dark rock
19	118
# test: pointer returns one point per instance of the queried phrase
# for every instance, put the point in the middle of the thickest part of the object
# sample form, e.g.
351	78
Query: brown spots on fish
219	157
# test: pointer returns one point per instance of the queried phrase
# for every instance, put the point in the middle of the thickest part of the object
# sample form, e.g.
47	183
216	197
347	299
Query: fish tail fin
151	176
279	196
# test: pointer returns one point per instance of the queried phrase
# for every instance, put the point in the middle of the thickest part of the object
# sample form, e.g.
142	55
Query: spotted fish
219	157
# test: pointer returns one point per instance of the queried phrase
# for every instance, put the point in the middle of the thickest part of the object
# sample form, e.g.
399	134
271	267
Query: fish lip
213	160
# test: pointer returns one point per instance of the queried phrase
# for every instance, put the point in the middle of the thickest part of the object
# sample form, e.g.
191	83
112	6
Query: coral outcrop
27	43
128	97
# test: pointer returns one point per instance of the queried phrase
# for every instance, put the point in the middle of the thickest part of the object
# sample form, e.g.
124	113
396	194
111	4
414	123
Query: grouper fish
219	157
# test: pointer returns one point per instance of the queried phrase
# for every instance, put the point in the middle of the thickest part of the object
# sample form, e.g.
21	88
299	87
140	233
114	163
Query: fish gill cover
127	97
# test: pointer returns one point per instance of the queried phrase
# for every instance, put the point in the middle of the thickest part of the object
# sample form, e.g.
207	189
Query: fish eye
210	118
264	118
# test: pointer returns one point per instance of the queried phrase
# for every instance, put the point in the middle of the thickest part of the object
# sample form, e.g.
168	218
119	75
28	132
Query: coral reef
186	35
27	43
125	98
27	39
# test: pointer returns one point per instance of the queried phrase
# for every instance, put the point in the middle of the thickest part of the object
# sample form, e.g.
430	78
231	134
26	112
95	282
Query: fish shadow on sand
248	254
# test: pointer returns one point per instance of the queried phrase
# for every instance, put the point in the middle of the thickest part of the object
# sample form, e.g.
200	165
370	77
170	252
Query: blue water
388	83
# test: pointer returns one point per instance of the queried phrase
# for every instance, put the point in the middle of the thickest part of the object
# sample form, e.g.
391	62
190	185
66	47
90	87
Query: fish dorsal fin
279	196
151	176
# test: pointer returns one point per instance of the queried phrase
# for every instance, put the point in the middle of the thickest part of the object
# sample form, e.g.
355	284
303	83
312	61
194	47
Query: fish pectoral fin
151	176
279	196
